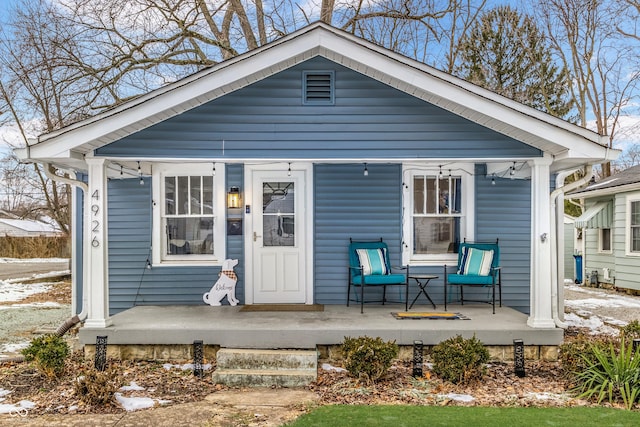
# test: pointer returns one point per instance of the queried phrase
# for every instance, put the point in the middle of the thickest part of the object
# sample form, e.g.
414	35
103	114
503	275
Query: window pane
207	195
189	236
435	235
182	197
278	219
456	195
635	213
170	195
431	195
418	195
606	239
635	239
443	196
195	186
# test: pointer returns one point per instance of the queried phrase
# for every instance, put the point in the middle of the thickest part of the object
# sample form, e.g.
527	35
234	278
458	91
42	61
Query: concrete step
264	377
252	367
235	358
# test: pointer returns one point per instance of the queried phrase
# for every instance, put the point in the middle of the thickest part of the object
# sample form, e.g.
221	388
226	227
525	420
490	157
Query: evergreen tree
507	53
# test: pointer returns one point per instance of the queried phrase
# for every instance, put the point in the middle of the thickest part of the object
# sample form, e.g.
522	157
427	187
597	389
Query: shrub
459	360
575	354
368	358
97	387
49	353
613	375
631	331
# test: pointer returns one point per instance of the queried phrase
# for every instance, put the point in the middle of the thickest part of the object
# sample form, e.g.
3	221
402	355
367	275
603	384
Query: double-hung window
438	208
188	214
633	225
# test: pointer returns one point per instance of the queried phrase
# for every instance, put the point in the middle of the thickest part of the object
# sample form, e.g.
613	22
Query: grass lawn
410	416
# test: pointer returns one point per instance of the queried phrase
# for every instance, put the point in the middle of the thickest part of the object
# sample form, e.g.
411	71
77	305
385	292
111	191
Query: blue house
323	137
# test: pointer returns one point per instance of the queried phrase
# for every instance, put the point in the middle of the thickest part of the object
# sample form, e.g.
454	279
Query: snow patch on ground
185	367
135	403
331	368
17	291
32	305
600	299
459	397
38	276
593	323
13	348
132	387
21	408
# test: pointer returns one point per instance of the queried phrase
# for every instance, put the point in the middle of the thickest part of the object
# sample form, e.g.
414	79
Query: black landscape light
518	357
417	358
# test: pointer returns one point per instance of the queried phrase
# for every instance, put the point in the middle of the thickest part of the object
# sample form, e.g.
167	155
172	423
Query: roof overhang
568	144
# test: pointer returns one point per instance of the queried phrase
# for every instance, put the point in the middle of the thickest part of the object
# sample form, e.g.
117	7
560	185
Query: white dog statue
224	286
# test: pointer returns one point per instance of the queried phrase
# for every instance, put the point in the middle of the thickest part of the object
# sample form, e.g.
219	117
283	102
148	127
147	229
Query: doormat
429	315
282	307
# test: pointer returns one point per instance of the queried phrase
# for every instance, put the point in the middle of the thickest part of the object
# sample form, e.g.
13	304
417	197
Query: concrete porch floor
227	326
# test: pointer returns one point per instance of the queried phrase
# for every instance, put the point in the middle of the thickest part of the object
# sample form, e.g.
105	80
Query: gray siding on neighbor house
626	269
267	120
595	260
351	205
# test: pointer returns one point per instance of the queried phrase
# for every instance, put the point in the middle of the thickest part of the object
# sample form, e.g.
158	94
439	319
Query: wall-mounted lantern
233	198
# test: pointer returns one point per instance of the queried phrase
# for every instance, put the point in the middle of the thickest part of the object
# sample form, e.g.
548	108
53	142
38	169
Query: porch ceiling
229	327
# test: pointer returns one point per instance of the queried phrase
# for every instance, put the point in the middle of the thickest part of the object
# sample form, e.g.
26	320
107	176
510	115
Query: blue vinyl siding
235	244
130	283
267	120
349	204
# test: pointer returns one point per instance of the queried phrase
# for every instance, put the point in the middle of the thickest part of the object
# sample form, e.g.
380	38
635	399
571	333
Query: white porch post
95	226
541	315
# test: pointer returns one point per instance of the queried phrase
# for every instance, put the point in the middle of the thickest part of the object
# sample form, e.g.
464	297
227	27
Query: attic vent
318	88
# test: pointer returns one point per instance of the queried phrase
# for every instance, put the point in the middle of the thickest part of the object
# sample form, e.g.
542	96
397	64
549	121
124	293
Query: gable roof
626	180
568	144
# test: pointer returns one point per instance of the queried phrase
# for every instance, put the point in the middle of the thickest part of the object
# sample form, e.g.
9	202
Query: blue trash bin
578	268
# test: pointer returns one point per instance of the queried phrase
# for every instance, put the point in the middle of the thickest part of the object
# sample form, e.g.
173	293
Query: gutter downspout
75	319
555	238
69	323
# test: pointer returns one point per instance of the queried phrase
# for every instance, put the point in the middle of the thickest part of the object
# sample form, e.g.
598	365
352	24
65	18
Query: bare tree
587	42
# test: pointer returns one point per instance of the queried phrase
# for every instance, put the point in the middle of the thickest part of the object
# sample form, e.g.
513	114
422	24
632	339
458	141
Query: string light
121	173
289	170
493	179
366	171
214	170
512	173
140	174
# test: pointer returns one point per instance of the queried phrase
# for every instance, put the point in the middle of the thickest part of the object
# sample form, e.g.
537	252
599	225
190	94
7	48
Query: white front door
278	237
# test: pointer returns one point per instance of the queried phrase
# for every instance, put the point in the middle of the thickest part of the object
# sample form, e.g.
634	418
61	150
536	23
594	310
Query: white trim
467	222
630	198
305	167
96	241
160	170
541	315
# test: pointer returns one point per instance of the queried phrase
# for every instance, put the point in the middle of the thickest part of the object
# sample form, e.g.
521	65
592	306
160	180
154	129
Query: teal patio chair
478	266
369	267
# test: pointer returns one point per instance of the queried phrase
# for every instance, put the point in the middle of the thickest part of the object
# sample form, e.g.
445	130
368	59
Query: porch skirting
168	332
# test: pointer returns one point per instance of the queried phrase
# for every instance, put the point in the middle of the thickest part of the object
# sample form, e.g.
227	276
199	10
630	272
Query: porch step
251	367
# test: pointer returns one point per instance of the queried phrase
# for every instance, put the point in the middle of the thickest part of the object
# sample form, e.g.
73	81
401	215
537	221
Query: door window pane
278	217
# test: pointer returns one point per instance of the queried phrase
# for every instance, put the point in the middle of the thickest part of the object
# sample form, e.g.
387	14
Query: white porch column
95	226
541	315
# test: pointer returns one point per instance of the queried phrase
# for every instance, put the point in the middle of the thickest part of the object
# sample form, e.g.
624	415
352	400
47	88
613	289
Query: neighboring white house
27	228
611	229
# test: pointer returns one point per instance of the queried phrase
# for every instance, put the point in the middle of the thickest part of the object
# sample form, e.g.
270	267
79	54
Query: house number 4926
95	224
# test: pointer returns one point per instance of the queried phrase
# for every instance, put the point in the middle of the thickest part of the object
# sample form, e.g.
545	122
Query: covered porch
169	331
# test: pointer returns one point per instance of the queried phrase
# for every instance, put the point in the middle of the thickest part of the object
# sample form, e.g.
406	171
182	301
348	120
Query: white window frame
634	197
467	219
601	240
160	171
